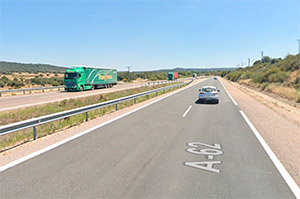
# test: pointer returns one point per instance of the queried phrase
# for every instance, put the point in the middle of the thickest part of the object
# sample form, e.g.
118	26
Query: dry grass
275	88
286	92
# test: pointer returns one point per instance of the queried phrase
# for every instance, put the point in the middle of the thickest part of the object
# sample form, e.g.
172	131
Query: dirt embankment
278	123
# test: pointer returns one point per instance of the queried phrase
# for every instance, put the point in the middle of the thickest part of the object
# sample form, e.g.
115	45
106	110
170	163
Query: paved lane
14	102
146	155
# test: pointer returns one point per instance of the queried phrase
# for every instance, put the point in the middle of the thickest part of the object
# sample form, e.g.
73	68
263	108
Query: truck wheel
81	88
111	86
105	85
93	87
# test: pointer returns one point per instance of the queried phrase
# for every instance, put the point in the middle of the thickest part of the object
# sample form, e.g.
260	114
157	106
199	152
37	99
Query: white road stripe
286	176
186	112
32	155
234	102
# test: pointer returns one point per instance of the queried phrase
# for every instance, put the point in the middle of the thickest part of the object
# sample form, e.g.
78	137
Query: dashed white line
186	112
286	176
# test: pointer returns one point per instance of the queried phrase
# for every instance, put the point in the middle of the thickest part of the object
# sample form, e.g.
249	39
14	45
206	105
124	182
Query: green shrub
258	78
2	84
278	77
264	86
296	83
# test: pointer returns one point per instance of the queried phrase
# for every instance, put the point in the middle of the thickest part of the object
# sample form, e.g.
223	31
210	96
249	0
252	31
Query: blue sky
148	34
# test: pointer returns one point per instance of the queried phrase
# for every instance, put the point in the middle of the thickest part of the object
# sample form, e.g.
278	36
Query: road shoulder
277	123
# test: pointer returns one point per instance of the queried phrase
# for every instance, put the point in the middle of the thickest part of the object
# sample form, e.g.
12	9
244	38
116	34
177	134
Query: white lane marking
186	112
286	176
234	102
208	167
32	155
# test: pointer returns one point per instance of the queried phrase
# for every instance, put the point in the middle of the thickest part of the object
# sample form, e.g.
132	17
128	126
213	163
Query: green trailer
85	78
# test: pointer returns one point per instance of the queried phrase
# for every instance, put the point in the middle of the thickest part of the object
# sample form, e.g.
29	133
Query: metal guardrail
29	89
10	128
163	82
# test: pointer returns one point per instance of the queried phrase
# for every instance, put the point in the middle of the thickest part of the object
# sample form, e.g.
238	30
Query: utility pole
299	46
262	56
128	73
248	61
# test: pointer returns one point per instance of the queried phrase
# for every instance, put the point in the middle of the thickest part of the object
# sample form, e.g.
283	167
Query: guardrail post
34	132
86	116
23	92
0	94
147	96
169	89
135	100
156	93
164	91
116	107
43	90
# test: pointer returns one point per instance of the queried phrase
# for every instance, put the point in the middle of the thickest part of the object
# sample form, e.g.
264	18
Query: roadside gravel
276	121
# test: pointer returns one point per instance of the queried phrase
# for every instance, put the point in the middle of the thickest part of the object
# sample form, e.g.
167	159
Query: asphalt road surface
14	102
174	148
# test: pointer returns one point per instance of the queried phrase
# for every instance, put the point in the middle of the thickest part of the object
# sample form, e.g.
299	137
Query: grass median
19	137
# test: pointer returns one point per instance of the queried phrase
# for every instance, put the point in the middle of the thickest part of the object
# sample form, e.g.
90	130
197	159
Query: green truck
85	78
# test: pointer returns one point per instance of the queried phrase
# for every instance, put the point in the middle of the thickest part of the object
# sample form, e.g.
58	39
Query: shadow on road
205	102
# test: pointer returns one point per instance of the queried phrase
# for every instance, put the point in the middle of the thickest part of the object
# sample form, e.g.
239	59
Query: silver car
209	94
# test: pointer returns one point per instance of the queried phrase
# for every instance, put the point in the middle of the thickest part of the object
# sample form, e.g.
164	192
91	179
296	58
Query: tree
266	59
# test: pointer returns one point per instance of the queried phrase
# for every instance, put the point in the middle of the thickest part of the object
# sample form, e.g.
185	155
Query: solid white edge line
39	152
234	102
286	176
186	112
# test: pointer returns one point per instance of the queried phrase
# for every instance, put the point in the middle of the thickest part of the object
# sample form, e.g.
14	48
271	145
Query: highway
21	101
174	148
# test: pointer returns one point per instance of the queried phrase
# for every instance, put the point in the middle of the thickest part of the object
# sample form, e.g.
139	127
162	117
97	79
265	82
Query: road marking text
211	152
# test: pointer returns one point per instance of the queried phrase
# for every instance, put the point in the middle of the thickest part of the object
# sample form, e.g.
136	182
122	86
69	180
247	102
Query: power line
128	73
299	46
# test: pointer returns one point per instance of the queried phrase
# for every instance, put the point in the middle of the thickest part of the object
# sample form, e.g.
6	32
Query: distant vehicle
215	78
209	94
194	75
85	78
172	75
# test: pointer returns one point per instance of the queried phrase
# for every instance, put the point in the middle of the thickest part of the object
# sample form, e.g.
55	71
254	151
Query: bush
4	79
2	84
296	83
278	77
258	78
264	86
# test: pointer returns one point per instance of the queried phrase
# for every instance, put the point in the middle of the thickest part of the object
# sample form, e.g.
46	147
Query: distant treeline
10	67
37	80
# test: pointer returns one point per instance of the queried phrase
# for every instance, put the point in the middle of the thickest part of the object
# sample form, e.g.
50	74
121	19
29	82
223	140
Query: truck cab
75	79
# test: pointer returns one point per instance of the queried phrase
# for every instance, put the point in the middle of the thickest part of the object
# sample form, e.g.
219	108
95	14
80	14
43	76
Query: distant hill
9	67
